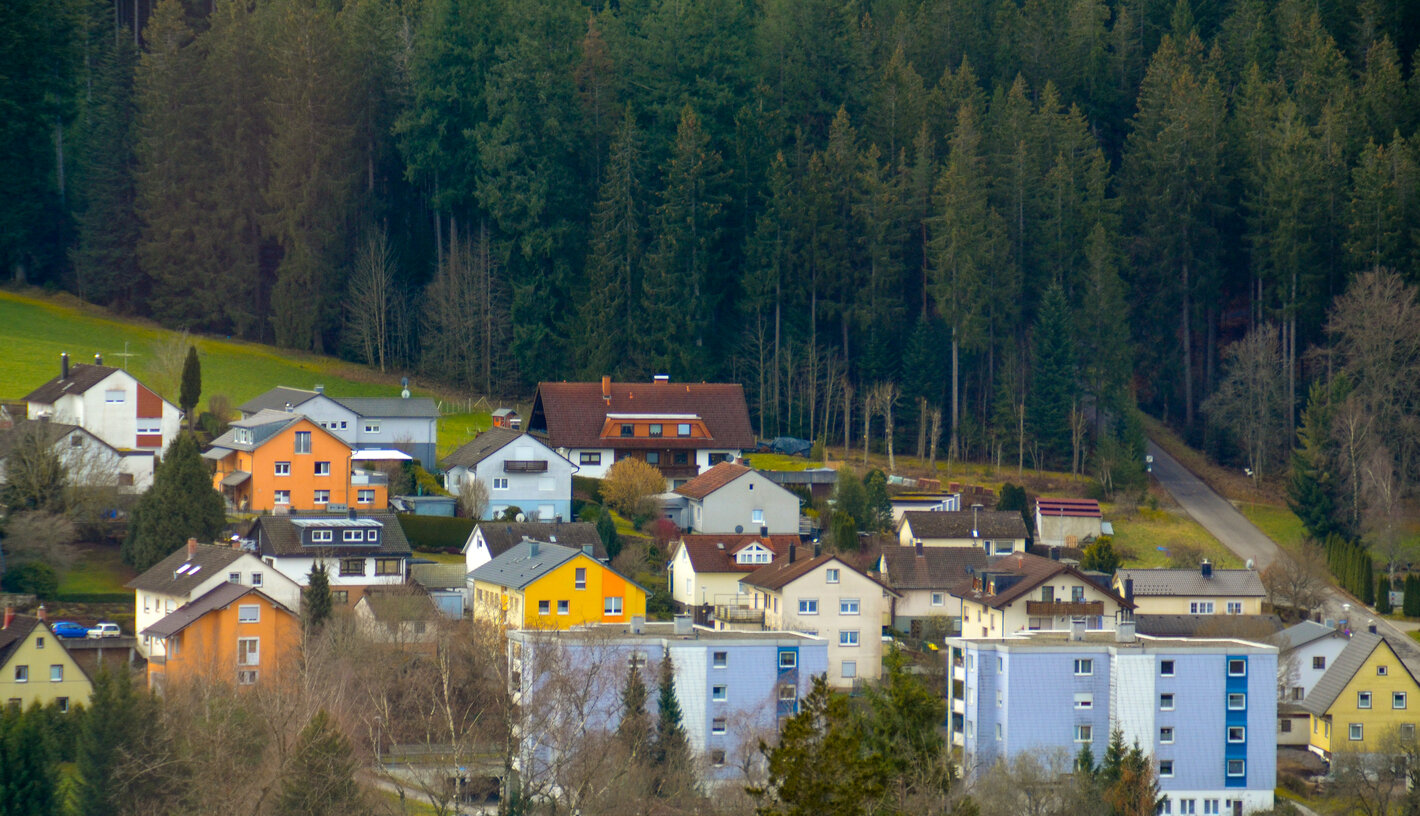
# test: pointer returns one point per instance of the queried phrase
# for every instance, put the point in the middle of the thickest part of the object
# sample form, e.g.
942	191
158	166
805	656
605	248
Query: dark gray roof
526	562
219	597
1343	668
399	603
935	568
392	407
276	400
53	432
164	576
15	634
502	536
263	425
280	536
1190	582
1303	633
439	576
959	523
82	377
480	447
1247	627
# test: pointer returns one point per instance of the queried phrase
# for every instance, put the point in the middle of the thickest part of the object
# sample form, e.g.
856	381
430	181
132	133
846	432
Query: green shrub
585	487
435	533
32	578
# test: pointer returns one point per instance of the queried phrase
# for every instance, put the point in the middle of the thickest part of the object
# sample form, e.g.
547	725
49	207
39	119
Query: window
1286	726
149	427
1084	733
500	483
1237	667
683	429
1166	702
939	598
1185	806
1084	701
788	692
233	578
627	430
848	637
321	535
114	395
1382	671
788	660
249	613
580	577
372	427
246	677
1166	767
653	457
352	567
682	458
1363	699
283	468
1319	662
365	496
1397	699
1166	735
1234	607
1356	732
830	575
1237	733
340	596
1084	666
564	607
356	534
848	606
544	607
756	517
1407	732
1166	668
63	704
248	651
717	757
322	497
1077	594
637	659
1236	767
717	725
612	606
303	441
39	643
1210	806
719	693
387	566
1237	702
808	606
720	660
282	497
1200	608
256	579
655	430
589	458
322	468
56	673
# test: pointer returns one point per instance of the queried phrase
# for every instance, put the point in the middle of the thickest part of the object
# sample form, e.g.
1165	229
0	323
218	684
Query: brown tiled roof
1033	571
716	553
782	572
163	576
501	536
219	597
958	523
933	568
712	480
479	448
82	377
572	414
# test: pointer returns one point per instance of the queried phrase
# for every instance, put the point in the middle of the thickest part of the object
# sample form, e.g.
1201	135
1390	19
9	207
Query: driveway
1218	516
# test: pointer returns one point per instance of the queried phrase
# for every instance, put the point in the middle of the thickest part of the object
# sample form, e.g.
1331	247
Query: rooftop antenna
125	355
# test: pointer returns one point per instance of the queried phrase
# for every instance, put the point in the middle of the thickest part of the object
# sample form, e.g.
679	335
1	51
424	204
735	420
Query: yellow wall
1169	605
1332	732
40	650
583	605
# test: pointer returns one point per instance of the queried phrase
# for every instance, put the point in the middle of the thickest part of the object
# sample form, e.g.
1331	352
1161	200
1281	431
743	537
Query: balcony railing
525	466
368	479
1054	609
679	471
739	612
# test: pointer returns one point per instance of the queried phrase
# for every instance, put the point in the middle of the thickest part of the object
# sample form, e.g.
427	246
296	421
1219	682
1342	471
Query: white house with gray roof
408	424
490	539
518	470
1307	651
357	552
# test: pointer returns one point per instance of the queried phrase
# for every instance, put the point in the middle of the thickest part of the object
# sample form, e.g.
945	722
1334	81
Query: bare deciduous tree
473	497
1251	401
369	301
1297	581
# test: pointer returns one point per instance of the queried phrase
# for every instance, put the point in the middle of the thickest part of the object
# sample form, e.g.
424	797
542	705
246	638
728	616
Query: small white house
995	532
491	539
707	568
1067	522
1305	652
733	499
357	552
518	470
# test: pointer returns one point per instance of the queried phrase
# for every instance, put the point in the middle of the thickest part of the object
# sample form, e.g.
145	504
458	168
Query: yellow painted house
36	668
1365	698
538	585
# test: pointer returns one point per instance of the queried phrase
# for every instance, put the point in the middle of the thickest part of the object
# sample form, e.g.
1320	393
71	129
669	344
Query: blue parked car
69	629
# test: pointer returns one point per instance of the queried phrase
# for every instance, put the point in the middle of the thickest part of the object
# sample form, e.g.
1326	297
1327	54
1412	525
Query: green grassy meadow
1143	532
97	570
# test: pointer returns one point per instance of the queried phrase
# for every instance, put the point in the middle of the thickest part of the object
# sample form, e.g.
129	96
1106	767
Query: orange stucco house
234	634
277	460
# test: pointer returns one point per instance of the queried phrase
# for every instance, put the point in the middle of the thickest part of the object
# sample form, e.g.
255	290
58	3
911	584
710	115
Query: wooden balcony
525	466
678	471
1058	609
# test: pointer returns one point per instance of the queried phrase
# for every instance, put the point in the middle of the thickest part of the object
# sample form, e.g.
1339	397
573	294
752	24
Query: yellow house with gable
1366	697
36	668
538	585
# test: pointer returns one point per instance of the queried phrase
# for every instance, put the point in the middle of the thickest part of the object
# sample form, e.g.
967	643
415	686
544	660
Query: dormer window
655	430
628	430
683	429
355	535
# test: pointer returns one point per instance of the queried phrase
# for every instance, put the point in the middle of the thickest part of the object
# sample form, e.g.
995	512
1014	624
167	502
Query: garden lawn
1279	523
456	429
1144	533
96	570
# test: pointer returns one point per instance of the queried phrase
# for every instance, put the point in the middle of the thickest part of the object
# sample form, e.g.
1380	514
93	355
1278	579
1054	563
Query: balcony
959	672
958	706
739	612
1057	609
678	471
525	466
367	479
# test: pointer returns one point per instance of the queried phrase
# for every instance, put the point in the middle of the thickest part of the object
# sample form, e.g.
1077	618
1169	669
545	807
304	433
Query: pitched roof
82	377
932	568
281	536
479	448
399	603
1251	627
438	576
277	399
164	577
11	637
712	480
1343	668
1190	582
1032	571
1069	508
716	553
219	597
501	536
572	414
783	572
959	523
391	407
264	424
1303	633
526	562
53	432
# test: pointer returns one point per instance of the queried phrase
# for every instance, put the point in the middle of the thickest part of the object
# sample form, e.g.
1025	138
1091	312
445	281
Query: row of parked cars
70	629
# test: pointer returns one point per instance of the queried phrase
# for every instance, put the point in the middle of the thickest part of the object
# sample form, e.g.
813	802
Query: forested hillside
1003	211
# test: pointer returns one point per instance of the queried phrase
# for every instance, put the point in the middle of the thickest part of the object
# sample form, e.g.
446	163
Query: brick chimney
64	365
606	388
41	614
191	548
9	617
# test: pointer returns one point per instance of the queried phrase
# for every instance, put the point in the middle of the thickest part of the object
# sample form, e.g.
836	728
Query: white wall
734	504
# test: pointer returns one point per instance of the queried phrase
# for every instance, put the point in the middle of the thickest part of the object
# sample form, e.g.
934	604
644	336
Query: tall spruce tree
180	505
190	391
634	730
316	598
27	751
610	310
671	753
1052	394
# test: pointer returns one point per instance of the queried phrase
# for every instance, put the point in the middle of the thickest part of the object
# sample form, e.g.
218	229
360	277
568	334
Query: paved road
1218	516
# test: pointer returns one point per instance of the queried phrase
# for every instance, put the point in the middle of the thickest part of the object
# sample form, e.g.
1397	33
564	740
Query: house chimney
191	548
1207	568
320	389
1077	629
9	617
532	548
1124	632
64	366
288	407
98	359
793	551
763	531
350	513
818	548
41	614
917	545
1129	590
606	388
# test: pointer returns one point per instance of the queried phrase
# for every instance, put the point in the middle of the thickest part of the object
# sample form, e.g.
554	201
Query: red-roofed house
683	429
1066	522
706	567
731	498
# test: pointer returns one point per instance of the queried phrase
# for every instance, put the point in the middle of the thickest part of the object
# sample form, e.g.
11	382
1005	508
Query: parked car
69	629
105	629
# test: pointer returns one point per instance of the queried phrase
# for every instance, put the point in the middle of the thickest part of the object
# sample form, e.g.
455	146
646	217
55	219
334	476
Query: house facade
234	634
518	470
536	585
730	498
994	532
1066	522
1363	700
1025	593
1308	650
408	424
358	552
1204	710
279	461
88	460
705	569
923	578
734	688
490	539
1202	591
682	429
35	666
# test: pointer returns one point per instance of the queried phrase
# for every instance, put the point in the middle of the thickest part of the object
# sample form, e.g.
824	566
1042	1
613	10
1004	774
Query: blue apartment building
734	688
1204	709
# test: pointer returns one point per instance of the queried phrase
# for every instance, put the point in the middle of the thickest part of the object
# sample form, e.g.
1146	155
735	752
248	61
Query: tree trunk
1187	348
956	392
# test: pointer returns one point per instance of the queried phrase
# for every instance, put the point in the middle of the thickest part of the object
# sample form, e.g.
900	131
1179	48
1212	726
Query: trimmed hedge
435	533
95	597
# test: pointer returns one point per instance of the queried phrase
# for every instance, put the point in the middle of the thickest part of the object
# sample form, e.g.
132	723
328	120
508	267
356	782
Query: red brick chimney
191	548
9	617
41	614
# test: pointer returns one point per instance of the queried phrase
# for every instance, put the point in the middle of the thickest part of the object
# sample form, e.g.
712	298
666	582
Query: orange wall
207	649
260	489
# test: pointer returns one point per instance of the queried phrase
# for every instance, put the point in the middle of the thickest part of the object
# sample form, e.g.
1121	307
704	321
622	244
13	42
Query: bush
31	578
816	452
631	487
435	533
585	487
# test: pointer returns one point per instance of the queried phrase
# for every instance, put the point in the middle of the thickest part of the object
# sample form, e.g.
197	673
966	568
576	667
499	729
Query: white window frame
1167	668
1200	608
1084	666
849	606
792	661
56	673
248	651
1399	697
1364	699
1166	735
1084	732
1237	697
1356	732
321	497
848	638
564	607
830	575
1237	733
611	605
1084	701
1166	768
1235	607
322	536
302	444
719	660
719	693
246	677
115	396
717	725
372	426
365	496
281	497
249	613
1241	765
1237	667
1166	702
808	606
322	468
356	534
939	599
500	483
283	468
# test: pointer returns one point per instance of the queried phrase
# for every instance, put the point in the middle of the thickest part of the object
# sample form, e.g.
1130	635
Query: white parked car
105	629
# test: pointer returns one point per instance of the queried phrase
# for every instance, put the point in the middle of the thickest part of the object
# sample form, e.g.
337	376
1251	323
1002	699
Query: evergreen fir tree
320	776
606	531
1053	383
610	311
634	730
121	726
1383	605
1410	602
671	751
180	505
316	598
191	390
26	752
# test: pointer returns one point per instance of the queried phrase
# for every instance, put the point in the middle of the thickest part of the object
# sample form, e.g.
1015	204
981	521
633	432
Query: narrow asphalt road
1218	516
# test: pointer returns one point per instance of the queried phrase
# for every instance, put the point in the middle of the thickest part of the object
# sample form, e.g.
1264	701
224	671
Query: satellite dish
739	528
1251	563
521	518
